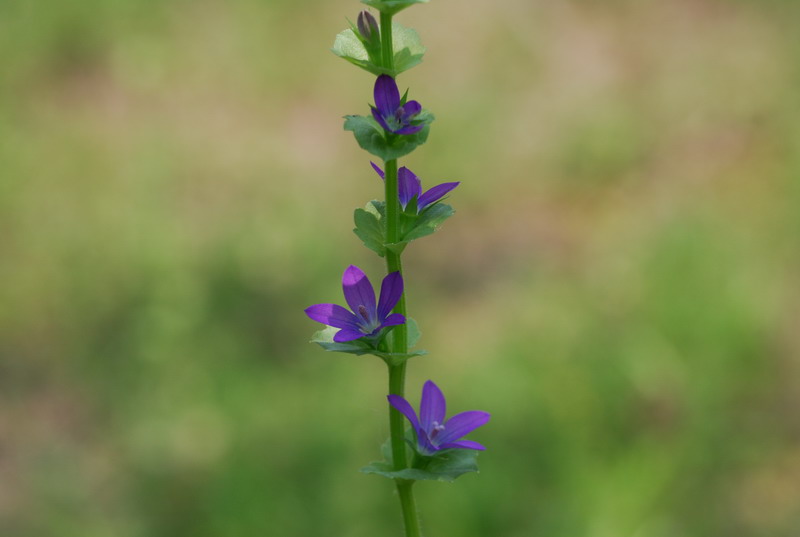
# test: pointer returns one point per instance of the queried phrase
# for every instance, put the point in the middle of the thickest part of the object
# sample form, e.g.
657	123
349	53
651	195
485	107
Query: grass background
619	286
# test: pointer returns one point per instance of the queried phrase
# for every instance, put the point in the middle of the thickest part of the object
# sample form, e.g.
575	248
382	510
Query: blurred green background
619	286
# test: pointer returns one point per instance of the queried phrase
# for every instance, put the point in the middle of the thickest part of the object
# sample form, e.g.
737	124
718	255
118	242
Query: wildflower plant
434	447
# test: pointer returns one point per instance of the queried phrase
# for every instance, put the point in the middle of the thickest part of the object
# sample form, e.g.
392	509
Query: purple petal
404	407
408	186
411	129
379	118
332	315
387	96
391	291
359	293
378	170
462	424
463	444
411	109
424	443
435	194
346	334
393	320
432	407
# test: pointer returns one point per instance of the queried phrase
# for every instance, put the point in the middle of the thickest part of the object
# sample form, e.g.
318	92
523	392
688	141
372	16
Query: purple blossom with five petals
366	318
434	433
409	187
393	116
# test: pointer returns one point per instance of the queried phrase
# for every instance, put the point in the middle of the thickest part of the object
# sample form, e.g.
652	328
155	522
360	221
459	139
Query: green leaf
392	6
397	358
370	227
396	247
324	338
412	337
406	43
413	334
429	221
372	138
447	465
408	46
378	208
359	347
348	46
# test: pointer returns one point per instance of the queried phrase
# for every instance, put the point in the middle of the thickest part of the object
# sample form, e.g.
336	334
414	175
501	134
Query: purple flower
366	318
409	186
433	432
389	113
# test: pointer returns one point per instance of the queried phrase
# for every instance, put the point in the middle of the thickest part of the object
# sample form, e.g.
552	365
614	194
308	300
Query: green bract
446	465
428	221
391	7
373	138
324	338
404	40
371	228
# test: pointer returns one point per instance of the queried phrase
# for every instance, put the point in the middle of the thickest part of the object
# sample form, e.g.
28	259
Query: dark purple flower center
363	312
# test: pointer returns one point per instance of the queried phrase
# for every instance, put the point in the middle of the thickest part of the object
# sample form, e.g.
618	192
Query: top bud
368	27
368	32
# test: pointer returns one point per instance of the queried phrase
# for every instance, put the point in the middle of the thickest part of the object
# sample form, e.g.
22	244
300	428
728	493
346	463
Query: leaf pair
405	41
447	465
371	227
372	138
324	338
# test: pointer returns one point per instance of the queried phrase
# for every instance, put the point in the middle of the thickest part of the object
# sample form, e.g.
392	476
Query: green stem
399	344
399	335
397	379
386	41
409	507
399	339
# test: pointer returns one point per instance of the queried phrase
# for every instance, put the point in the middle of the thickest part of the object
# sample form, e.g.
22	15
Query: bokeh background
619	286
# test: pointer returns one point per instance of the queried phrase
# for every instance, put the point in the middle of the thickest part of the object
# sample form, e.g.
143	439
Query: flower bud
368	27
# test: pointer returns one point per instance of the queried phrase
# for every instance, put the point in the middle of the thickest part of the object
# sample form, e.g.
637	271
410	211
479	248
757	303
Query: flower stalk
381	327
409	507
386	41
397	373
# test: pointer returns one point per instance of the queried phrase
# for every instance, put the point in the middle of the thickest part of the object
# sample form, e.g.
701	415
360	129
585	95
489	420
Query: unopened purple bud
368	26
